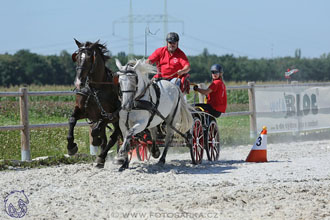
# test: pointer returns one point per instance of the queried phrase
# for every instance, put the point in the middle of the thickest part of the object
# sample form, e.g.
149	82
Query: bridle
91	69
128	73
81	67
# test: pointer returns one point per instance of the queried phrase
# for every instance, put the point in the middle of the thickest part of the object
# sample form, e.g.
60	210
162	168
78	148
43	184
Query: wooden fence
25	126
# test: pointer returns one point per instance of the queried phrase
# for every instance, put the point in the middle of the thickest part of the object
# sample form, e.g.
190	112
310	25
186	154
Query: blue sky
253	28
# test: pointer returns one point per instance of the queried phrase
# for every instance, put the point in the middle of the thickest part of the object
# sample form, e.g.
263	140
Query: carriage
204	136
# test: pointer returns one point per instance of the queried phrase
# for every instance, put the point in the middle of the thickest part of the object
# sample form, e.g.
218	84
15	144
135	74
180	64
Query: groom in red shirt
170	60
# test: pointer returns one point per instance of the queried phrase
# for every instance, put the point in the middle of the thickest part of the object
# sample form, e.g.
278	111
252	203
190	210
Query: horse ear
78	43
118	64
74	56
137	64
95	44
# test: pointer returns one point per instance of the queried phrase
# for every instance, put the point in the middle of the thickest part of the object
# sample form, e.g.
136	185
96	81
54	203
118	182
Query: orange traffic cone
258	152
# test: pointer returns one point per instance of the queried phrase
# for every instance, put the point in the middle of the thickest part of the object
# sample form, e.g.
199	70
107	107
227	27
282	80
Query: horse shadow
186	167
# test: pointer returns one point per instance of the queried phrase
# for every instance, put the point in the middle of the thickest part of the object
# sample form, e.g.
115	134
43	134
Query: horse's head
128	83
89	57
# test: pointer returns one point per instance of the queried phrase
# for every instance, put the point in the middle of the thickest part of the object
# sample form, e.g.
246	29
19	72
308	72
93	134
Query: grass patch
39	112
50	161
43	142
234	130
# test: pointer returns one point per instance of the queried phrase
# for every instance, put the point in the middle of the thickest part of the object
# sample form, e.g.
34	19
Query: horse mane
143	69
102	48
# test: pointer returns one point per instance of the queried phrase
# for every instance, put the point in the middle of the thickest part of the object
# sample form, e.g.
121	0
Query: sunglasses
215	72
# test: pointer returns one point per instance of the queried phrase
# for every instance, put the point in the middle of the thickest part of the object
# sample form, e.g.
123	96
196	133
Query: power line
217	45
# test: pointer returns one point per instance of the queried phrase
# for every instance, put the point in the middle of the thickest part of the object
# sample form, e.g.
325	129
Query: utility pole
165	19
131	19
131	32
272	50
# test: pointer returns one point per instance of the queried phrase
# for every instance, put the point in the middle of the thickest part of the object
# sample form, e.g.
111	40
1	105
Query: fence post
252	108
25	133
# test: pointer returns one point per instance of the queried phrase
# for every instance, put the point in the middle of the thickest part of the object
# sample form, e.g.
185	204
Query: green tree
10	71
35	66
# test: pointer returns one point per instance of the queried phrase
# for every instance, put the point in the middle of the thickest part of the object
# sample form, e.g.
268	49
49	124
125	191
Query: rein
102	83
144	90
104	114
166	78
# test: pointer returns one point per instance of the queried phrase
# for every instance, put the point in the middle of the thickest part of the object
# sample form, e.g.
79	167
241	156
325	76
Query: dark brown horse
96	98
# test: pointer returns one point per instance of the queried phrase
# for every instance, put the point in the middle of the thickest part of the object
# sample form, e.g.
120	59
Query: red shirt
168	64
218	97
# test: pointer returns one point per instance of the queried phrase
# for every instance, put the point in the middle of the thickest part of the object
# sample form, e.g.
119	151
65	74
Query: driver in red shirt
216	93
170	60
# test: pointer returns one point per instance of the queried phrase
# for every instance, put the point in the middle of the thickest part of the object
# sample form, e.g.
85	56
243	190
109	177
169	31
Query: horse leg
97	128
100	160
154	149
125	148
72	147
123	153
125	164
103	139
168	140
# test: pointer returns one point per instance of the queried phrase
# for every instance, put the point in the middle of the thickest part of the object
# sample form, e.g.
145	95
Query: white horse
146	104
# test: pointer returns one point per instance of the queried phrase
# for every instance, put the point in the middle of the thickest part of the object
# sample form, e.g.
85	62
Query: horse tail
187	120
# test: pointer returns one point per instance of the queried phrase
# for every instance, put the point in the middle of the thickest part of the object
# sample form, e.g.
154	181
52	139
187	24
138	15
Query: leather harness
148	105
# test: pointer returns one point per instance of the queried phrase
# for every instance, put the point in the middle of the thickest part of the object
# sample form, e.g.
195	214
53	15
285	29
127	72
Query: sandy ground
294	184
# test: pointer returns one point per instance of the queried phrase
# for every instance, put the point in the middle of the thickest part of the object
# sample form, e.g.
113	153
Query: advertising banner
292	108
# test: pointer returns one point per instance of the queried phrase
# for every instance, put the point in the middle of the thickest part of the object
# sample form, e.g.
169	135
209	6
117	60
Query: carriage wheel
142	152
197	142
212	142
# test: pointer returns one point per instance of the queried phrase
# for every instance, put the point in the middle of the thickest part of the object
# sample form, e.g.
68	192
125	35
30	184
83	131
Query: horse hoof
100	165
100	162
73	150
123	167
161	162
119	160
156	153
